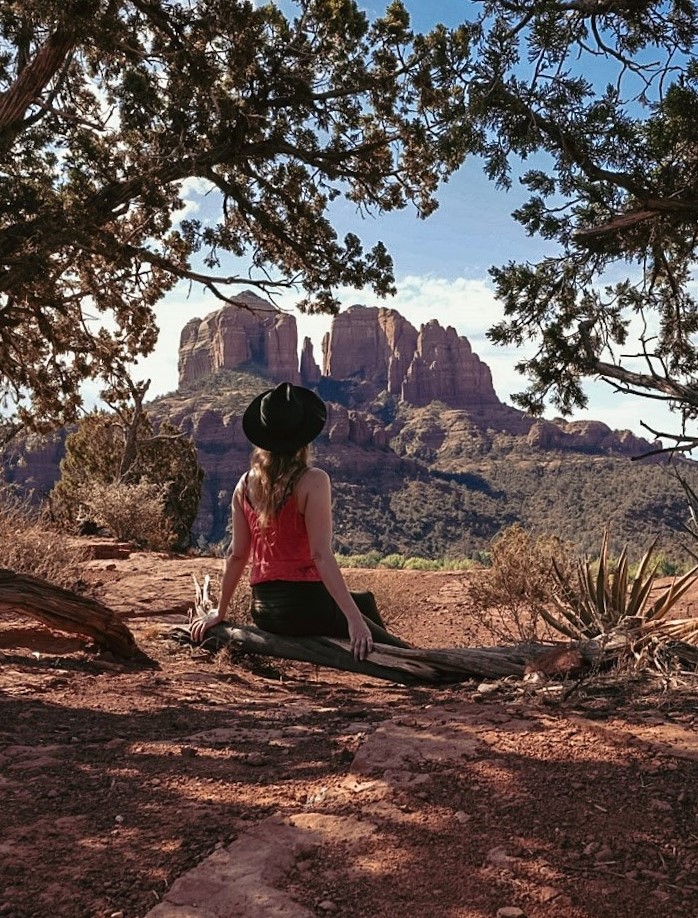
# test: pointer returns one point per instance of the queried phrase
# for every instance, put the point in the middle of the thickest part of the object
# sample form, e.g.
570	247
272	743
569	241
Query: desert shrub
394	561
517	589
136	512
605	602
421	564
370	559
93	457
31	544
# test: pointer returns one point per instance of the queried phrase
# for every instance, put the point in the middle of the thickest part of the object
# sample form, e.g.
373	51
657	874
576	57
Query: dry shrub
513	594
132	512
31	544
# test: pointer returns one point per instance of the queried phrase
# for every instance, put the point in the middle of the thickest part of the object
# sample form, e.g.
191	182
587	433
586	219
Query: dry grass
131	512
512	597
30	544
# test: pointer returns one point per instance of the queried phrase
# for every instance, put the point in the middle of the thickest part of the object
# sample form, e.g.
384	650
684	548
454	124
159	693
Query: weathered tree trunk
408	666
66	611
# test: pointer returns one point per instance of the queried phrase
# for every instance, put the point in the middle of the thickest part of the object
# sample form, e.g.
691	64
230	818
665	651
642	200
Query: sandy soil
216	786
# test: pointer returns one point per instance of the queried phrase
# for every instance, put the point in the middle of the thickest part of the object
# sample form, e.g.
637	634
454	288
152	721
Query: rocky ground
221	786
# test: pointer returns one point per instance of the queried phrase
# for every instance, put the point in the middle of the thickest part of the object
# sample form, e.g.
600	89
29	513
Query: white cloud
191	190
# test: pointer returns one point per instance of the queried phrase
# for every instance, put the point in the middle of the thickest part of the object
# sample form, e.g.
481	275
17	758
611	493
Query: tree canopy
601	101
108	106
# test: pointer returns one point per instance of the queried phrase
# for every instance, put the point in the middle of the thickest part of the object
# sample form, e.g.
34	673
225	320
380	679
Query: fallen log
408	666
66	611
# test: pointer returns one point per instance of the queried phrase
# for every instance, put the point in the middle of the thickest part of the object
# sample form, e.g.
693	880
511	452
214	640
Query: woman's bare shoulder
313	478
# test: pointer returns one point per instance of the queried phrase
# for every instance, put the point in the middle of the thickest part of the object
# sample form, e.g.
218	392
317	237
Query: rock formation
382	347
253	332
444	369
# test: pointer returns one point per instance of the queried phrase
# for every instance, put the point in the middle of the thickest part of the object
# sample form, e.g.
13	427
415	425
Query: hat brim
314	418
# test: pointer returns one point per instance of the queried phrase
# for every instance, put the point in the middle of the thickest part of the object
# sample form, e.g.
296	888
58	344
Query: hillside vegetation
450	486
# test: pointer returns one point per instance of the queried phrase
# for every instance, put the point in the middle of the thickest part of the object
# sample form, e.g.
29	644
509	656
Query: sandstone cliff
251	332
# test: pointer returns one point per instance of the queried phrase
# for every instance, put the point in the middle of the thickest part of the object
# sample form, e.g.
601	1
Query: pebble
462	817
486	688
548	893
510	911
327	905
604	854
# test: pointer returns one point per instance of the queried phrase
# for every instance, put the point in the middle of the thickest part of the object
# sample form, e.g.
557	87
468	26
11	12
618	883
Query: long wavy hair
273	478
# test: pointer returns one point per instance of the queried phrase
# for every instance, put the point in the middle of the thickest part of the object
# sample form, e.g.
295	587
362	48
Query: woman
282	516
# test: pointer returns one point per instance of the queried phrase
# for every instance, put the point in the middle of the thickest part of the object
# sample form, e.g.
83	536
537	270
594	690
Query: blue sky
441	269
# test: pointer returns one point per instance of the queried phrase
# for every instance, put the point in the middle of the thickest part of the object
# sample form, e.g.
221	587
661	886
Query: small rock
119	819
327	905
510	911
486	688
52	794
548	893
188	752
257	760
499	858
604	855
461	817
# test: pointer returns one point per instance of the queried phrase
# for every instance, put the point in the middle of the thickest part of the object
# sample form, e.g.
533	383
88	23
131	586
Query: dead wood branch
66	611
409	666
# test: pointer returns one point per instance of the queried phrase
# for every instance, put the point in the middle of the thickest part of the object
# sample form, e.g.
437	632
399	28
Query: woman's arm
314	494
235	561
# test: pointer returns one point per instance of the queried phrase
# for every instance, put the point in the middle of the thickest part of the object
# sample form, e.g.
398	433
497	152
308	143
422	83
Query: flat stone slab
240	881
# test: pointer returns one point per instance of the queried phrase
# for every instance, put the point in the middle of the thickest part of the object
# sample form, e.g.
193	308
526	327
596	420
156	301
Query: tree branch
34	78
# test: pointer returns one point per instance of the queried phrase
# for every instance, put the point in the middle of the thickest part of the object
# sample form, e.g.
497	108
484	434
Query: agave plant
606	603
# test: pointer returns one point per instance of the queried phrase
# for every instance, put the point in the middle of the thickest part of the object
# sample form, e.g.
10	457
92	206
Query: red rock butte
374	345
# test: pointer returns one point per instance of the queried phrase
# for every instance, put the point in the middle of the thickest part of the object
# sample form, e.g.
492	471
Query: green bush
395	562
165	459
370	559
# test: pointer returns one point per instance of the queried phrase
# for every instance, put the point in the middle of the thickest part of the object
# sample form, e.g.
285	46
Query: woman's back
280	545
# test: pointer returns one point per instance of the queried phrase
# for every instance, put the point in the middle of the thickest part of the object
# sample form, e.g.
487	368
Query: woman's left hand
361	640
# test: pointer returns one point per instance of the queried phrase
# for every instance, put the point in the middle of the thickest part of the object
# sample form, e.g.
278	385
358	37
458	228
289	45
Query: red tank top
281	550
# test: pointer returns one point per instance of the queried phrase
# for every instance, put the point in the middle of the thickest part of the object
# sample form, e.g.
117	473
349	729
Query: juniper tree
108	106
601	99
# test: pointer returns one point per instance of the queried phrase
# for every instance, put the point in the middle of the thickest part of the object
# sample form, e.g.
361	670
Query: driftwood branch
409	666
66	611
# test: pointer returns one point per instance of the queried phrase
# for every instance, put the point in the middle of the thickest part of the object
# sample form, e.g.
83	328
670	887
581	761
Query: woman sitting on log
282	515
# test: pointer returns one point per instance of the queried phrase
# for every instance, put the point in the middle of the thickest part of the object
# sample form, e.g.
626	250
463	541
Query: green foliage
394	561
374	560
112	110
369	560
166	461
595	604
613	190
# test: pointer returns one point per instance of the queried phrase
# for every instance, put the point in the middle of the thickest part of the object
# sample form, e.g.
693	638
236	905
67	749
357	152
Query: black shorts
303	608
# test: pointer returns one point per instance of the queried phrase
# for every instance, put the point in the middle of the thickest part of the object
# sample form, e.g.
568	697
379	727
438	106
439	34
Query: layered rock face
382	347
444	369
235	335
370	344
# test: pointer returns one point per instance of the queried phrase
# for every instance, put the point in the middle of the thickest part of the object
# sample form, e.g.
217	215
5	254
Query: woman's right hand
200	626
361	639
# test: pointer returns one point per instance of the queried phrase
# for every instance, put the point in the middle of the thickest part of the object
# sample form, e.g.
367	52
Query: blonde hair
273	478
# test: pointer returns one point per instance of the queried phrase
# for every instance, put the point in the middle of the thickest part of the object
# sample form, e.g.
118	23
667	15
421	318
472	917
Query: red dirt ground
213	786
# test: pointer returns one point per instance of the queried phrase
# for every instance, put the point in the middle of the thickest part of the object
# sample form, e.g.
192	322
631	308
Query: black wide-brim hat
284	419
